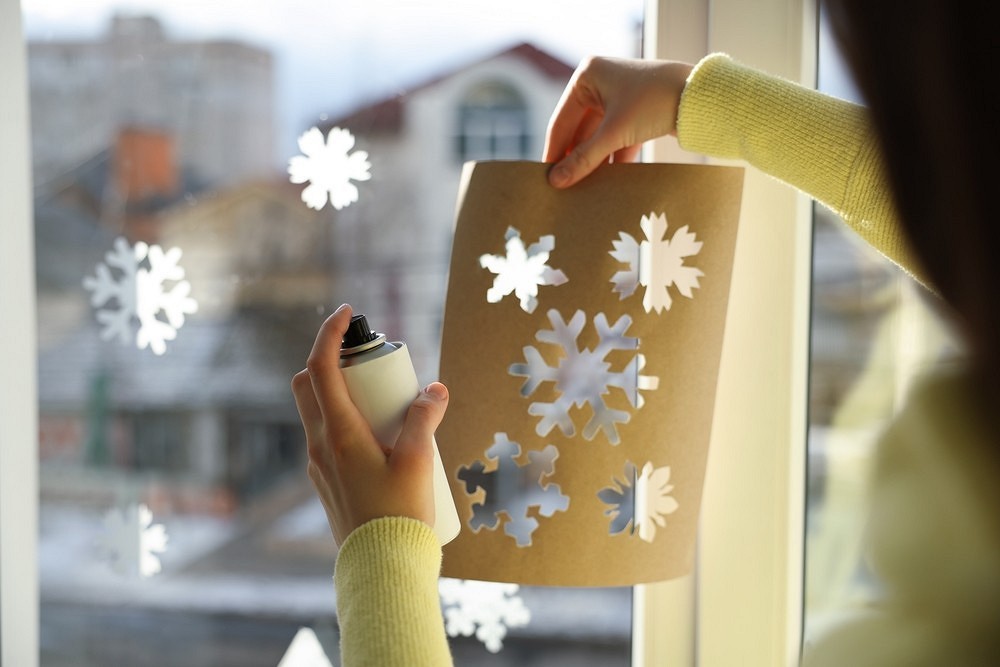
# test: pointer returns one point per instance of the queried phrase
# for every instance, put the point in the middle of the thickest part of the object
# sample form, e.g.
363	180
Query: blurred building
392	248
214	97
212	420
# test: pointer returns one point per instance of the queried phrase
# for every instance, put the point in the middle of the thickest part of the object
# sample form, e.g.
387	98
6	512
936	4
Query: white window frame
743	605
18	395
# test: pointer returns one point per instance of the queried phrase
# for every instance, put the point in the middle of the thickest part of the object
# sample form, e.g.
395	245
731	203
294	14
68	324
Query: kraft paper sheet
569	498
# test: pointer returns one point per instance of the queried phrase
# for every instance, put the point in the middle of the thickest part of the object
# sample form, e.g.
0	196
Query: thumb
413	446
584	158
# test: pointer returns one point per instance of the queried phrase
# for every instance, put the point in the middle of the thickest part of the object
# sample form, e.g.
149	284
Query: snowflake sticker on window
584	376
641	501
131	541
522	271
137	288
305	651
486	609
656	263
512	489
329	167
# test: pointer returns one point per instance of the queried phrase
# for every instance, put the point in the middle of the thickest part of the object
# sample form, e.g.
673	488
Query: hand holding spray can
382	383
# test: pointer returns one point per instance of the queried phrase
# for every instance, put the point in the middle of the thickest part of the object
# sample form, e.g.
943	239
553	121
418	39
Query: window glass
187	251
873	331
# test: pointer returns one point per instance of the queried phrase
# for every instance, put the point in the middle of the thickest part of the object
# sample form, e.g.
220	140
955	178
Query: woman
911	175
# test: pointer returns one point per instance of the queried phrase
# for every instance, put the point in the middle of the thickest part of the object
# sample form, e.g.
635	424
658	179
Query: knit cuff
387	595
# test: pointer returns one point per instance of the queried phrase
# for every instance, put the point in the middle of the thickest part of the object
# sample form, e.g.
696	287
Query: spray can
382	383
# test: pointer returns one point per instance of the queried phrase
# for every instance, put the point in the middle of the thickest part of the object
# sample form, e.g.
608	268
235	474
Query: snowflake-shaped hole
656	263
517	491
640	502
522	270
329	167
583	376
484	608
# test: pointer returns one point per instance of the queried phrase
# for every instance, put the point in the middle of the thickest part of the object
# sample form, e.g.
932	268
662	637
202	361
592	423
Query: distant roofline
385	115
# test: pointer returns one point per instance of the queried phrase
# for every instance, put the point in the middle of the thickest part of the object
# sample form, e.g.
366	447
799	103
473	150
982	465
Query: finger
584	158
578	99
305	402
628	154
340	415
413	450
563	127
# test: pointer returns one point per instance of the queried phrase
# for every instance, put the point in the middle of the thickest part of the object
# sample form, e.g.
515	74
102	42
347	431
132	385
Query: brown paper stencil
579	422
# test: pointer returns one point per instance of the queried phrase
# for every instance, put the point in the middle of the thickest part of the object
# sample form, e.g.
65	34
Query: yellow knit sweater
386	573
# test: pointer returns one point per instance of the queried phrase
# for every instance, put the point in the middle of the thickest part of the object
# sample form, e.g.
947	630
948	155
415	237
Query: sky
333	55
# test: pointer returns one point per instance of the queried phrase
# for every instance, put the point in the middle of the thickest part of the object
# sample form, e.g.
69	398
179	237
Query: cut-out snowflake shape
656	263
329	167
522	271
131	541
584	376
641	501
139	292
484	608
512	489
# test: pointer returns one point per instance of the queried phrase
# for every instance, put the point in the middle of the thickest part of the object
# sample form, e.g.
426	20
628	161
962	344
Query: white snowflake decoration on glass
305	651
641	501
131	541
329	167
522	271
139	292
656	263
584	376
484	608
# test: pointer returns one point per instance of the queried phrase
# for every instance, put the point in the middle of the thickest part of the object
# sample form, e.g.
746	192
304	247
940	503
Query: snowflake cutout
522	271
513	489
584	376
329	166
640	502
656	263
138	289
131	539
484	608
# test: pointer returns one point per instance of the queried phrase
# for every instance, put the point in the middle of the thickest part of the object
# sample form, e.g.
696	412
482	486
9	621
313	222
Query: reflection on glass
175	128
873	330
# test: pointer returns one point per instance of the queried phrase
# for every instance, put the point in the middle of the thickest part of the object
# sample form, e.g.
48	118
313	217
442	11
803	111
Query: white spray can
382	383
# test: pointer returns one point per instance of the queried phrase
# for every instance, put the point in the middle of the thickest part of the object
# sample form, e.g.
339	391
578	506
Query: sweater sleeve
387	596
819	144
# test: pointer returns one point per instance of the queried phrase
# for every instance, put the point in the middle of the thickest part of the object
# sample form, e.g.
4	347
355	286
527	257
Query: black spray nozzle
358	332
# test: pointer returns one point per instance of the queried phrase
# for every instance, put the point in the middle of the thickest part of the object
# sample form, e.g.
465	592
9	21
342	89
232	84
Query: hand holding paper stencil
561	384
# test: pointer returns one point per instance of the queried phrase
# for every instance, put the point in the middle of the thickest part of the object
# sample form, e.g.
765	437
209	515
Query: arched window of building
493	124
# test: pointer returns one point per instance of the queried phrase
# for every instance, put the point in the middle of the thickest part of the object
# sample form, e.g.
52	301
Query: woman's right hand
609	108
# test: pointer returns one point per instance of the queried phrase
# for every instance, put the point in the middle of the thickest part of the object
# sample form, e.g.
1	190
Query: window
163	128
740	609
493	124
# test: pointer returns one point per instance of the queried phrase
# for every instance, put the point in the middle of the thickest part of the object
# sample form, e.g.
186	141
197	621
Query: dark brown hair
926	69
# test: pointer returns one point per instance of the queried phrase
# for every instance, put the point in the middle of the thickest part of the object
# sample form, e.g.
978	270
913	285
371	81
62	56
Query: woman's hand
357	478
609	108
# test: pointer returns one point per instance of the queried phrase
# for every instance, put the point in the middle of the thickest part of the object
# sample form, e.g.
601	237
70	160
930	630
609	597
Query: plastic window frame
743	603
18	396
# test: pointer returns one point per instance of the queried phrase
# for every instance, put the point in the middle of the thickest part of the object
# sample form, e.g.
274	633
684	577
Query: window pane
872	332
186	255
